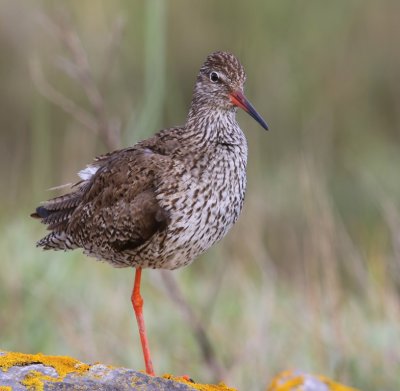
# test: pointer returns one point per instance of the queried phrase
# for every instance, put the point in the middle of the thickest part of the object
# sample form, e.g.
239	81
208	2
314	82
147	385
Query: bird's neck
210	124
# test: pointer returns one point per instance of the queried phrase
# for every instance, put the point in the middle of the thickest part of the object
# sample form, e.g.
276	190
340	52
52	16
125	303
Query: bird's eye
214	77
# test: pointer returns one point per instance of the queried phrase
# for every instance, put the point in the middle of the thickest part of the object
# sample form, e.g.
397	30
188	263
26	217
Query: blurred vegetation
310	276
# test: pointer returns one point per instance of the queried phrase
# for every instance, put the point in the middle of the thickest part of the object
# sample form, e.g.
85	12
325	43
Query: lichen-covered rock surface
37	372
300	381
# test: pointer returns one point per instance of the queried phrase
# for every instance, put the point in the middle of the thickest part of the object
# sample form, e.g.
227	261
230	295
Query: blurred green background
309	278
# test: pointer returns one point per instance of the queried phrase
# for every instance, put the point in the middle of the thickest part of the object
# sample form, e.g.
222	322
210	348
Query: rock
37	372
300	381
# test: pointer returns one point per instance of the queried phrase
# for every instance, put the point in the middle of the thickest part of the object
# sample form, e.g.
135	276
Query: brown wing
113	210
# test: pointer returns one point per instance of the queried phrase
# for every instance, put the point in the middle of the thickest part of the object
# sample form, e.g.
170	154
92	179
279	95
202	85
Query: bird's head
220	85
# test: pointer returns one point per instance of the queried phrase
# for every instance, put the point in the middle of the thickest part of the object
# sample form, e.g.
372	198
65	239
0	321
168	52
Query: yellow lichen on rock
34	380
5	388
298	381
63	365
200	387
335	386
286	381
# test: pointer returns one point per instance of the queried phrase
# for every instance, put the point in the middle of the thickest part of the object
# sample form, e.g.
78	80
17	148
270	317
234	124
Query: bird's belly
203	217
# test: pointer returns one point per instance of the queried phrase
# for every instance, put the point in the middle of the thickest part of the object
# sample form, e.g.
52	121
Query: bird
167	199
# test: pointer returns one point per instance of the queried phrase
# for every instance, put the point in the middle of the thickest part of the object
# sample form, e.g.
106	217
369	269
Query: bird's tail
55	241
56	214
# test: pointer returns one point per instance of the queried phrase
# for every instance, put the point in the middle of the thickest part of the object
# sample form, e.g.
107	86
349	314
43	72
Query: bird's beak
238	99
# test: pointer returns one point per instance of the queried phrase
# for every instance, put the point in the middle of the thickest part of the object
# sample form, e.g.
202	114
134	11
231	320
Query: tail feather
56	241
56	213
54	219
66	201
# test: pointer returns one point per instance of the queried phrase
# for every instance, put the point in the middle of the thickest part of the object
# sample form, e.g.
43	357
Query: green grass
259	321
309	278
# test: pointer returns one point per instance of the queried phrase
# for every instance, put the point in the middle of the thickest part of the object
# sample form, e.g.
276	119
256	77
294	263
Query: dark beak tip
241	101
259	119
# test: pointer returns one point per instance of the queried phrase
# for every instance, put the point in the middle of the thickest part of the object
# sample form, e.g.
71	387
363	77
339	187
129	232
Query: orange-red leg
137	302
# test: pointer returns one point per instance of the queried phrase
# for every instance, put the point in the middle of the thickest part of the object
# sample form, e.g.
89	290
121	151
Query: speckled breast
206	203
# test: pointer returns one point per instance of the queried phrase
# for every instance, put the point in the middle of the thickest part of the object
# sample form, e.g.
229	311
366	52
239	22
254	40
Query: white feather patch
88	172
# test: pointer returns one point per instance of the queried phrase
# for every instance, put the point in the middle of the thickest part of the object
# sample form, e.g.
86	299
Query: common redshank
167	199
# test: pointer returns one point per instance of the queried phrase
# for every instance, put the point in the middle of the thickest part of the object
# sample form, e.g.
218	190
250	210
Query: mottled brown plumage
167	199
